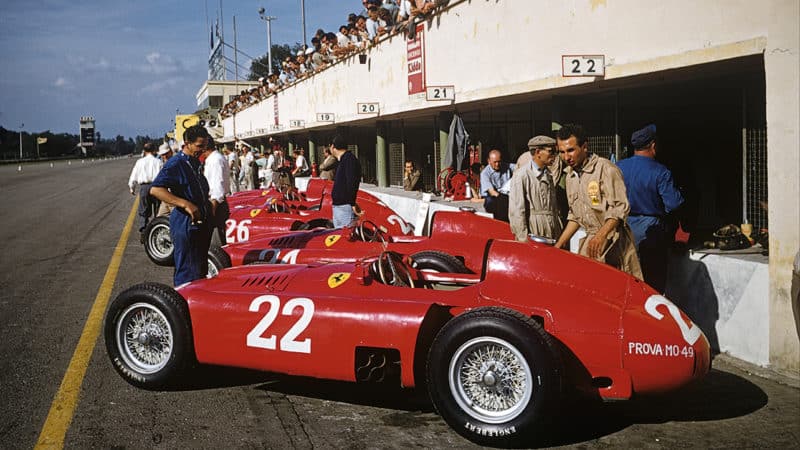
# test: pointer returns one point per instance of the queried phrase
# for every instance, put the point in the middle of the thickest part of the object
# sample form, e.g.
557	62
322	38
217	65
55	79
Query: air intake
273	282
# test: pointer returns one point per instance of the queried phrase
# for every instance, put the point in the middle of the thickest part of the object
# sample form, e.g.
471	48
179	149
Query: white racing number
690	333
394	219
237	232
289	342
273	256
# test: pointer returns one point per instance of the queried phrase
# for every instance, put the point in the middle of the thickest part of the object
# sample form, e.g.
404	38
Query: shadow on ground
721	395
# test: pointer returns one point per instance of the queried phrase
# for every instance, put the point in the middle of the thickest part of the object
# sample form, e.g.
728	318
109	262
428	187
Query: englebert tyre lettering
150	303
462	345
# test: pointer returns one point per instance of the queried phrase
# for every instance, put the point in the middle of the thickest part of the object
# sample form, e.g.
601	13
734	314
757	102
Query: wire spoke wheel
160	241
144	337
490	379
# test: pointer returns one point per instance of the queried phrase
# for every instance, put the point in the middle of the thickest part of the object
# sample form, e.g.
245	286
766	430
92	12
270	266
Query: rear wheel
158	242
436	261
148	335
494	375
218	259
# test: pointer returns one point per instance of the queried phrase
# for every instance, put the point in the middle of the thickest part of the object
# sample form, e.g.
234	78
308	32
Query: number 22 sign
583	65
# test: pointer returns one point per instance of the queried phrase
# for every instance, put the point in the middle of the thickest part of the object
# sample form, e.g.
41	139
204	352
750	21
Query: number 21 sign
583	65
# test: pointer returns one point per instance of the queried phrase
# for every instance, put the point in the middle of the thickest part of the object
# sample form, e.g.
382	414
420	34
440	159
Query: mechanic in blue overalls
652	195
181	183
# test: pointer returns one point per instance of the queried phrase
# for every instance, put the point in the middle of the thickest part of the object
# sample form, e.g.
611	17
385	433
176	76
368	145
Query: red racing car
276	215
497	350
445	250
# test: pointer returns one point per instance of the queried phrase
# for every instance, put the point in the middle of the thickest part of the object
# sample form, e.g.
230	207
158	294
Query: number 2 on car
289	341
237	232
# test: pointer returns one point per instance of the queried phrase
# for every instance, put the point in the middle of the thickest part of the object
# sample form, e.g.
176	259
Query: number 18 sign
583	65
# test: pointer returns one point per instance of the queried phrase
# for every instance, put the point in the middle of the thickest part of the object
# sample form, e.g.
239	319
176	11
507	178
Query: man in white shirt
217	172
233	165
143	173
247	168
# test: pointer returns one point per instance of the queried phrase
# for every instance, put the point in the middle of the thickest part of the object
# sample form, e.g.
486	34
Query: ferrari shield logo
330	240
264	193
337	278
254	212
593	190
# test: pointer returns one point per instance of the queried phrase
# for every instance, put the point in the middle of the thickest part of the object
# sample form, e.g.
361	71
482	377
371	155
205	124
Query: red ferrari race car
445	250
315	189
496	350
272	216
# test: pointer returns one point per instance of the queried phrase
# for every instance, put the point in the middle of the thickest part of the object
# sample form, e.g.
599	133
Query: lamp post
269	20
303	19
20	140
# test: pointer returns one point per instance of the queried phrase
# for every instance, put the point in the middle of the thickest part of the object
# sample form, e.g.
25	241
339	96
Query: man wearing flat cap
652	195
533	207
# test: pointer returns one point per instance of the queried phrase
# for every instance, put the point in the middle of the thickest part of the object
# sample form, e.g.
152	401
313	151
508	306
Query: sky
129	63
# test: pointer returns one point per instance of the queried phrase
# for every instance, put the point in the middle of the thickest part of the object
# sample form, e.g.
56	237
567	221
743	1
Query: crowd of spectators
377	19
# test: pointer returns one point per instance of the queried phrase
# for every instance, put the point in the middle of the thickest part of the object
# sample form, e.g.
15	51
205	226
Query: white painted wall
494	48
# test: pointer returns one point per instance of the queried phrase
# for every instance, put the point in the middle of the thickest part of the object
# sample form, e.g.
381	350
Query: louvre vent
275	282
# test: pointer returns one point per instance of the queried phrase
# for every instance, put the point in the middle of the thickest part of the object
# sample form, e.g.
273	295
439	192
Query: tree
258	67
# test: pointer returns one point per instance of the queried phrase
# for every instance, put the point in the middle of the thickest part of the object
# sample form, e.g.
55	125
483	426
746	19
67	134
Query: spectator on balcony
353	35
388	18
361	29
343	35
375	26
412	177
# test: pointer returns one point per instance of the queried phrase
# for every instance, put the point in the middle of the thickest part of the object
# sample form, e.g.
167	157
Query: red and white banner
416	61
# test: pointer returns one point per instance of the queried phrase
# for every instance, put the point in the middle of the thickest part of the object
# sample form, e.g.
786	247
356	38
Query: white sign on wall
437	93
368	108
297	123
583	65
326	117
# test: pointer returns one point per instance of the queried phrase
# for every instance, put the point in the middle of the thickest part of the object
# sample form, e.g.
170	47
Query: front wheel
148	335
218	259
158	241
494	375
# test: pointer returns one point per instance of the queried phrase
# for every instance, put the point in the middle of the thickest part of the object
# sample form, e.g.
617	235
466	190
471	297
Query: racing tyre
158	241
432	260
218	259
494	375
148	335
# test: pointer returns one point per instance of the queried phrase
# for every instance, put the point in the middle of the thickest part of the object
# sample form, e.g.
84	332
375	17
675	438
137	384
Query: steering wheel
398	273
367	231
290	195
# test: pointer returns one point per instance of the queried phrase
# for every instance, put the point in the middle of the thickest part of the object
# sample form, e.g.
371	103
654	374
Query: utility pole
303	18
20	140
269	20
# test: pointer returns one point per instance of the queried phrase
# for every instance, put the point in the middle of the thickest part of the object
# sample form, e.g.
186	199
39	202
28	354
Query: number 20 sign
583	66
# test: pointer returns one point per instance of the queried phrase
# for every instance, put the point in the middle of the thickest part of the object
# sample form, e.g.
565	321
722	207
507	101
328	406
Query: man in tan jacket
533	208
597	202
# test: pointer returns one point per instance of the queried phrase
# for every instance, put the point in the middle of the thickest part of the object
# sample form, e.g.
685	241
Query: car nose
662	348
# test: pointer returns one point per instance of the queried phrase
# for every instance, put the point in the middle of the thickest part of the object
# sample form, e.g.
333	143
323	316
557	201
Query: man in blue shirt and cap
652	195
181	183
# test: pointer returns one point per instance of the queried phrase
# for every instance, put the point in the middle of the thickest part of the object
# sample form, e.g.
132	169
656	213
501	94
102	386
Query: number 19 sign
583	65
